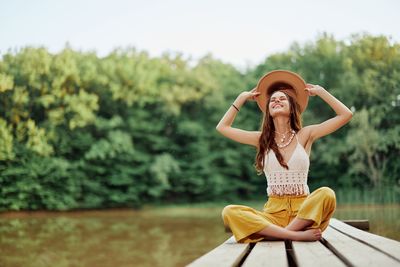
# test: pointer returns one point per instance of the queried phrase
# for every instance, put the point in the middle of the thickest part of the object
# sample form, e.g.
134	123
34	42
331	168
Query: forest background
80	131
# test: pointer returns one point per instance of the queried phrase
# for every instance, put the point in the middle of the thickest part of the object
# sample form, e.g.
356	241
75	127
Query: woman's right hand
249	95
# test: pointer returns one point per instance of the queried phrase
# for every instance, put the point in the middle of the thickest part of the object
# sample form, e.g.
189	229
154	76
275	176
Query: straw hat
271	82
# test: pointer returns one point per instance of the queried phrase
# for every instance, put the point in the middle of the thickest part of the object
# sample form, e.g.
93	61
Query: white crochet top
287	182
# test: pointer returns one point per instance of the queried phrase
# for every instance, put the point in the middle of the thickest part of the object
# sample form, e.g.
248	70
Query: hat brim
268	85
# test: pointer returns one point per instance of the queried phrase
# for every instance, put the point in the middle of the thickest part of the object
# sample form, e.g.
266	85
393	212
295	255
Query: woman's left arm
343	113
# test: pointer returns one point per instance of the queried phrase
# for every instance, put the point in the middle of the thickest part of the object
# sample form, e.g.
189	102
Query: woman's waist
287	196
277	203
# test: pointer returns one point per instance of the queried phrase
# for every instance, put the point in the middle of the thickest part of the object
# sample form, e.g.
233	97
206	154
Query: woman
283	149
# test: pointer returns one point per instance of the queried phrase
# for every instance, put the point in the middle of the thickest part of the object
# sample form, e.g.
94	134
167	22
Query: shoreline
154	208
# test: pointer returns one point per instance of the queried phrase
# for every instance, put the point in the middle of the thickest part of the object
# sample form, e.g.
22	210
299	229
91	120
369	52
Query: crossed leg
274	232
298	224
314	214
320	206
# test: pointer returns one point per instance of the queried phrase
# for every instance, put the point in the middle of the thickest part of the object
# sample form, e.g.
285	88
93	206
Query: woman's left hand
313	89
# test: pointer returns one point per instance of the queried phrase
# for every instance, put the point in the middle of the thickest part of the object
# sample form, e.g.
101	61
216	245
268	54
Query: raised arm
242	136
343	113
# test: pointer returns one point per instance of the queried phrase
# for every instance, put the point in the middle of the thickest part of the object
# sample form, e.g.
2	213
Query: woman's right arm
224	126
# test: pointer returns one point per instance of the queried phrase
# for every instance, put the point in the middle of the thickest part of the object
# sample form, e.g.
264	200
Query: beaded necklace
283	139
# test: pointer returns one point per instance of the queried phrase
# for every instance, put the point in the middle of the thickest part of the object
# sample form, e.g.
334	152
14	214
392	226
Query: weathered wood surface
315	254
355	253
385	245
267	253
341	245
229	253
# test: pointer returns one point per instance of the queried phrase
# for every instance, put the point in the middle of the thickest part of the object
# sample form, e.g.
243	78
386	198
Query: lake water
168	236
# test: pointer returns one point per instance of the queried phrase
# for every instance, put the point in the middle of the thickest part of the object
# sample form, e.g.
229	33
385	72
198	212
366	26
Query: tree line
82	131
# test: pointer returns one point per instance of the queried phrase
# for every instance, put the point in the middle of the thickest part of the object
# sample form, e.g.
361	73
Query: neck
282	124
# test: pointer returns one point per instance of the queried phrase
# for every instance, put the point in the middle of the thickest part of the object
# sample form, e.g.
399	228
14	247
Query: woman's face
279	104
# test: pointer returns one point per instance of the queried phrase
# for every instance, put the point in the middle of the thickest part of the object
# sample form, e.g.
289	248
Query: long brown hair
267	138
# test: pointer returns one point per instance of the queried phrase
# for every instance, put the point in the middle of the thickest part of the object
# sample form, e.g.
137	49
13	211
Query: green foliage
79	131
6	141
38	183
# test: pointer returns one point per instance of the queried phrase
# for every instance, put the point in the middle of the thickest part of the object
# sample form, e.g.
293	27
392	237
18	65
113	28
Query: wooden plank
229	253
267	253
314	254
353	252
387	245
360	224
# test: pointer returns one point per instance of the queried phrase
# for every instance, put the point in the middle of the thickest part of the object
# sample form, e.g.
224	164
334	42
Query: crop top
281	181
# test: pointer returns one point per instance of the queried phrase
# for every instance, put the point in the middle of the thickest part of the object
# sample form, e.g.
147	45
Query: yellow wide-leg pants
244	222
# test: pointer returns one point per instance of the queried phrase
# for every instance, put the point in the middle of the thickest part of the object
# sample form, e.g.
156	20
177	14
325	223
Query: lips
279	105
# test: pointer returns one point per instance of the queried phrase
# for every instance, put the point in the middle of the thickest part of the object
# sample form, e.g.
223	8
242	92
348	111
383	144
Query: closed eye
281	98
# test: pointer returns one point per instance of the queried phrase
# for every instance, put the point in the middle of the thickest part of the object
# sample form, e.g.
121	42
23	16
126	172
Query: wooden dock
341	245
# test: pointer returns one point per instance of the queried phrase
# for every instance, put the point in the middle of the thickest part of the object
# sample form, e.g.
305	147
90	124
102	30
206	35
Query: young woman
283	149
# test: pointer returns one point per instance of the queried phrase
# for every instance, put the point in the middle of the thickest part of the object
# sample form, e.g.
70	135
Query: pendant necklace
280	145
284	136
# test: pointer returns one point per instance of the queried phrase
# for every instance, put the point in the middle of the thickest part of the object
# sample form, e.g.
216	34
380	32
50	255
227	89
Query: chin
280	113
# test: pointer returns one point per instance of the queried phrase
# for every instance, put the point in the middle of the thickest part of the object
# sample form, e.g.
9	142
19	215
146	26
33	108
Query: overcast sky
239	32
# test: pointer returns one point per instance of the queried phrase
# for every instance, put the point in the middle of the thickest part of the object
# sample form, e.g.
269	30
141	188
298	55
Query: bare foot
308	235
